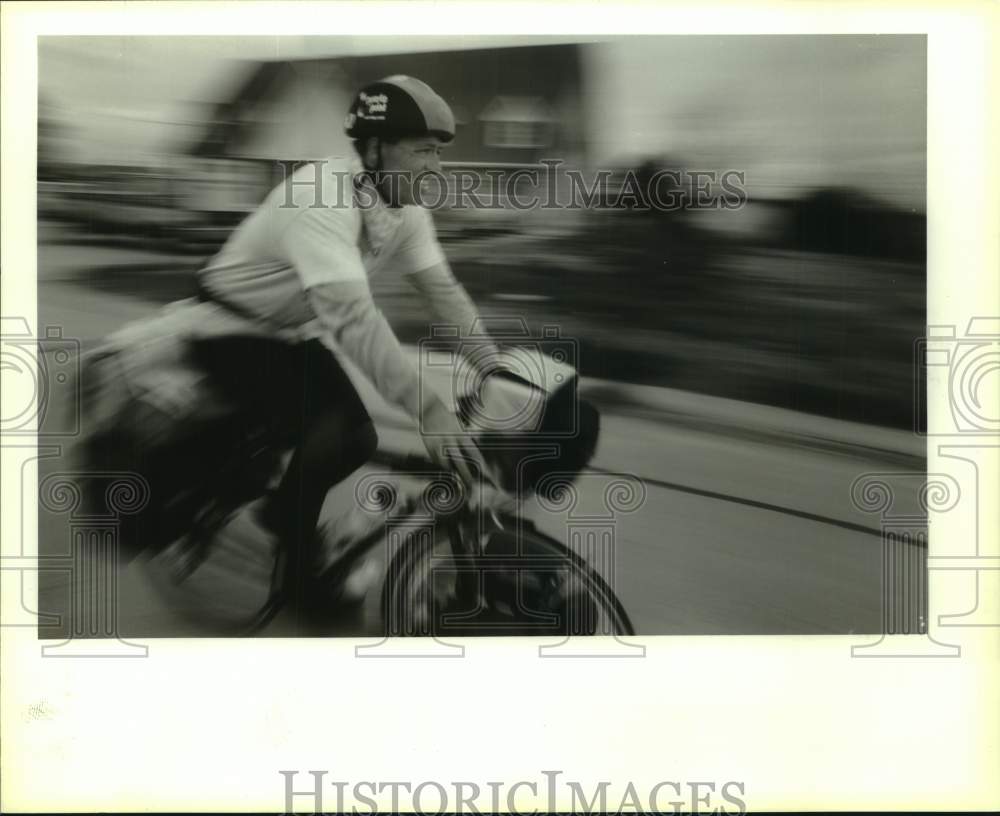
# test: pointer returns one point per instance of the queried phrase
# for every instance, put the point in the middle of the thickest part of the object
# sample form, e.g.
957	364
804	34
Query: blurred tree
846	221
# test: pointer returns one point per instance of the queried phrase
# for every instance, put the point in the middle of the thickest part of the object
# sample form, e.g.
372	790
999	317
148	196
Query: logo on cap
376	104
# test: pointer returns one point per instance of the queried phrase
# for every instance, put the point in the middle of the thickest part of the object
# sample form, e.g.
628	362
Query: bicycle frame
468	529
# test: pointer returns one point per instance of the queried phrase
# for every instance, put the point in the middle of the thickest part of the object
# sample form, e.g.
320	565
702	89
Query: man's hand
449	445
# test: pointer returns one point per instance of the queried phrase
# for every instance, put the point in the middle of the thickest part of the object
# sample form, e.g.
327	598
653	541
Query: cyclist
297	269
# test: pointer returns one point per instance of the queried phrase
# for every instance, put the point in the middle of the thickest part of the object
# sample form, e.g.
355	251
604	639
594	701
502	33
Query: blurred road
738	533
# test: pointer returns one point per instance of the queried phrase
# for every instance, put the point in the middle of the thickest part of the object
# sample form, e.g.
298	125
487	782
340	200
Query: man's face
406	164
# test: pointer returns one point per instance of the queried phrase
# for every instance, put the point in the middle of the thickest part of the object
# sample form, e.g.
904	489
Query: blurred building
512	106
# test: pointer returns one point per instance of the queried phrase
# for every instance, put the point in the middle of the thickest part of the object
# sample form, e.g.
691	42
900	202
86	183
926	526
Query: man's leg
306	390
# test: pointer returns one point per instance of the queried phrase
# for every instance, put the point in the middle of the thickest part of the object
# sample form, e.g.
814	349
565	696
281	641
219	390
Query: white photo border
206	725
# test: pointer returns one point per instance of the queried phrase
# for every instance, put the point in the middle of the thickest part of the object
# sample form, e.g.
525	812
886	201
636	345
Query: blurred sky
792	111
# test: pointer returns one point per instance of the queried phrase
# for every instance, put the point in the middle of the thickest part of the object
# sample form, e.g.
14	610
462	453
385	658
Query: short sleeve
321	243
418	248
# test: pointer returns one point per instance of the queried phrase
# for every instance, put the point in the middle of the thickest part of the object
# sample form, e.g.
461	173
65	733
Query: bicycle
450	569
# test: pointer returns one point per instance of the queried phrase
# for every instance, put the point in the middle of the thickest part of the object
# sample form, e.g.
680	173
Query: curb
755	421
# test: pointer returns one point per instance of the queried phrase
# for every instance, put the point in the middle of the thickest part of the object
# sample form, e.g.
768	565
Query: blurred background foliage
810	297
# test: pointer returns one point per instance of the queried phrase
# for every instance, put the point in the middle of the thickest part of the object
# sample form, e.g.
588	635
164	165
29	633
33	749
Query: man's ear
371	156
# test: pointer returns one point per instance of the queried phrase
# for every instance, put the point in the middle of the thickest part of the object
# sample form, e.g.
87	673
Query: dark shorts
284	383
286	390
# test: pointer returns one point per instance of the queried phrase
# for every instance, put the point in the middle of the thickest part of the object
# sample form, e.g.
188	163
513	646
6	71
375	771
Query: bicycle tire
412	607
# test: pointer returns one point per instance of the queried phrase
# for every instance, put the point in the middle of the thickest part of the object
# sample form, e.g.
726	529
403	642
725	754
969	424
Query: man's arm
449	303
347	311
421	260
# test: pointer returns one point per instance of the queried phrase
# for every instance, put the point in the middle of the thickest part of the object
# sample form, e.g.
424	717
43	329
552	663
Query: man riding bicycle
297	270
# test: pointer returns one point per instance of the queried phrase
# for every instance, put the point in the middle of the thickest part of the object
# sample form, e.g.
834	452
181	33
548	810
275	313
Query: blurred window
517	121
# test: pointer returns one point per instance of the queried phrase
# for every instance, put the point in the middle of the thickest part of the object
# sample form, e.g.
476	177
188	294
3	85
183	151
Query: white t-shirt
304	234
314	229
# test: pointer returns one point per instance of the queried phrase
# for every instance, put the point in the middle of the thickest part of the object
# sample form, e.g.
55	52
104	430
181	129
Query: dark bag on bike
152	362
150	410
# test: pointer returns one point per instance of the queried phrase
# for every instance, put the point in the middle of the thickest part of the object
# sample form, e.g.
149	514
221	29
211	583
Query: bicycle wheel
525	584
